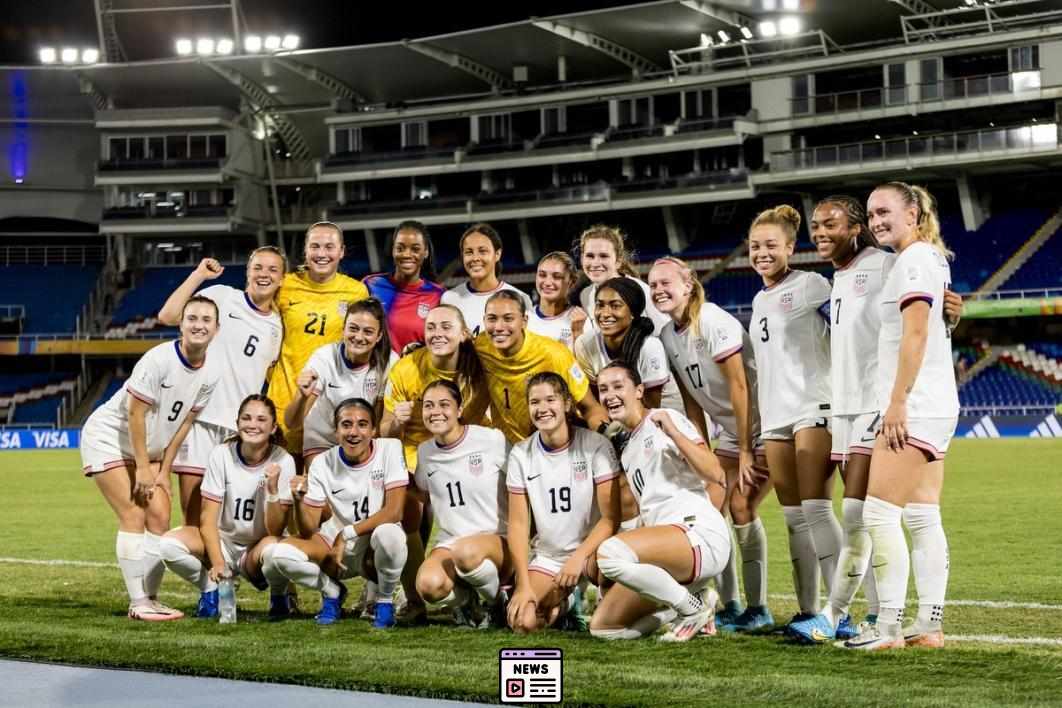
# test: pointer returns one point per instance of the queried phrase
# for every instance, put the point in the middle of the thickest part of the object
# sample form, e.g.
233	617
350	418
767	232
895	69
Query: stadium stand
983	251
34	397
49	309
1024	377
1040	271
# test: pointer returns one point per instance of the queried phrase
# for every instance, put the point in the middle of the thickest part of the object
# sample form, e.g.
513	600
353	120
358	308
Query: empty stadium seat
1040	271
52	295
980	253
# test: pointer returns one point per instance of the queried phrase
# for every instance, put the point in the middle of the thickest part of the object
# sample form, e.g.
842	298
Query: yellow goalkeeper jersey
507	379
407	381
313	316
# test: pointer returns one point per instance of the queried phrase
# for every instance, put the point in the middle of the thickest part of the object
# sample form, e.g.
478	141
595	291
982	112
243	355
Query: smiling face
769	250
440	411
256	423
199	323
547	407
361	332
264	275
669	289
612	314
324	249
409	253
892	220
620	396
444	331
479	256
599	260
552	281
354	431
832	233
504	324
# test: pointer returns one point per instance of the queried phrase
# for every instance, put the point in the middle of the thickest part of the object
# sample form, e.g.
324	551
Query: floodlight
290	41
184	47
272	42
252	44
224	46
768	29
204	46
746	33
723	36
706	41
91	55
48	55
69	55
790	4
789	25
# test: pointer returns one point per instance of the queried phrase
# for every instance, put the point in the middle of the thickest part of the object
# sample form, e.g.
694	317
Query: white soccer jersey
696	362
466	482
356	492
589	296
919	273
170	386
241	490
855	320
790	335
337	380
557	327
664	485
592	356
561	487
473	304
246	345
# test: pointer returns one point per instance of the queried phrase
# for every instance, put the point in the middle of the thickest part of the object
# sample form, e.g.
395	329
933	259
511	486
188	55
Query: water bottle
227	600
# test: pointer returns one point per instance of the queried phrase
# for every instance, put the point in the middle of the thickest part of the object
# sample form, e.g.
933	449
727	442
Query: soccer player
563	480
604	254
129	443
363	481
462	470
554	316
356	367
312	302
246	346
711	356
481	254
246	499
790	332
510	355
624	332
920	407
681	541
409	292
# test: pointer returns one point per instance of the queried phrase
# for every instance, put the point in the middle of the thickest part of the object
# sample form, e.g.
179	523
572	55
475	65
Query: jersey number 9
175	411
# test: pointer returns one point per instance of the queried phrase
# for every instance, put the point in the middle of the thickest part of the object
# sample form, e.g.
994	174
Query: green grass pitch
1002	512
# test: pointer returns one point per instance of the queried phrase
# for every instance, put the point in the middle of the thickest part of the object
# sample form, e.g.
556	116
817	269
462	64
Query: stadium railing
51	255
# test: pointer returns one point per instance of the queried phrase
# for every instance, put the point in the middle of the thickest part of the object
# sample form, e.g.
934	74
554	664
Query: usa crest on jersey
377	478
579	470
422	310
859	286
475	464
787	301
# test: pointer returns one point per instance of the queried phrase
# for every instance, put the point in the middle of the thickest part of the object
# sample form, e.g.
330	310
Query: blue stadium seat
1003	385
52	295
42	410
1040	271
980	253
112	388
157	283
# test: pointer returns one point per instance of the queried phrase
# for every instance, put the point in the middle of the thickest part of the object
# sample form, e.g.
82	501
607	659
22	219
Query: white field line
73	563
991	604
1003	639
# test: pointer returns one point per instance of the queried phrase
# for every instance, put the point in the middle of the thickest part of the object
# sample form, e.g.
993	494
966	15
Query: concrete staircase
1023	254
980	365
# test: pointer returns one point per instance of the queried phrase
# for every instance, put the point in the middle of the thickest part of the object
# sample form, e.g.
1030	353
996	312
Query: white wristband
349	533
272	498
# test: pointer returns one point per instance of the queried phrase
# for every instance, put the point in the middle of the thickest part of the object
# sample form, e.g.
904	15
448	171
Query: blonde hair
927	226
783	216
624	255
691	314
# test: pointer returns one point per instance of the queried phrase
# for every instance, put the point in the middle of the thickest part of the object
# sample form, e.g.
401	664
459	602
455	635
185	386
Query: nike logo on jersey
431	472
535	477
332	385
855	575
164	385
337	491
235	317
293	303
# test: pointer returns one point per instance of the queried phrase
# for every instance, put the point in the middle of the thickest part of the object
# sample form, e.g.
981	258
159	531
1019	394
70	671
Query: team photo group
589	459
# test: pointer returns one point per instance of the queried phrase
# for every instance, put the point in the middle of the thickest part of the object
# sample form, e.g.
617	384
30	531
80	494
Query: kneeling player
682	540
567	480
363	482
462	468
246	499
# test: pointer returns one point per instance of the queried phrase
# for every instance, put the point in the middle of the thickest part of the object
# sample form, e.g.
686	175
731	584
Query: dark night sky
25	25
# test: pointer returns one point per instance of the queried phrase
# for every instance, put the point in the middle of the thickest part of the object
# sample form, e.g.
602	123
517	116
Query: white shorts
100	450
788	432
726	445
353	560
931	435
711	551
551	565
195	450
854	435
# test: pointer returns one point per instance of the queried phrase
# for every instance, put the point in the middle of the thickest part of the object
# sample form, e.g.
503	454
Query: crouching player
246	495
682	540
565	479
363	482
462	469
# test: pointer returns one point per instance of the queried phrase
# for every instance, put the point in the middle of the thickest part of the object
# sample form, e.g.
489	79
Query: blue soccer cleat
728	616
208	605
815	630
332	607
385	616
845	628
798	617
279	607
753	619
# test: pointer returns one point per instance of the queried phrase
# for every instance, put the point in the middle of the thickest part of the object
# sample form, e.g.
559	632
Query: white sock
371	591
641	628
458	597
890	559
388	543
929	560
129	548
727	581
179	560
296	566
827	534
805	562
853	562
153	567
753	541
619	563
483	579
278	582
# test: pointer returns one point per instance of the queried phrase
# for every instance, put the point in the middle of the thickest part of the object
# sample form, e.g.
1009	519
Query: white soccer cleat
875	638
154	611
686	627
918	635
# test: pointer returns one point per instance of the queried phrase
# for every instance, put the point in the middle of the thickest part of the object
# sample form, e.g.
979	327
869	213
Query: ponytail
927	226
